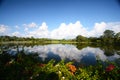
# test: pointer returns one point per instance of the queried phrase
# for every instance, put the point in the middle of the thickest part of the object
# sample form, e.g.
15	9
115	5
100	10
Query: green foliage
108	34
28	67
80	38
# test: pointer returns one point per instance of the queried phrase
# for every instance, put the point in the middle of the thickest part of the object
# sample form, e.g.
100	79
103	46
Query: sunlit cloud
73	29
69	31
98	29
31	25
41	31
16	34
25	29
115	26
17	27
3	29
63	31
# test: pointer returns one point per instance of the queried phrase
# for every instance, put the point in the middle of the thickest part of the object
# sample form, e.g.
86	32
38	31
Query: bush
28	67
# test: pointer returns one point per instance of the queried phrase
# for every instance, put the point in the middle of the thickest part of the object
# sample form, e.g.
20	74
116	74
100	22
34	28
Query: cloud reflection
69	52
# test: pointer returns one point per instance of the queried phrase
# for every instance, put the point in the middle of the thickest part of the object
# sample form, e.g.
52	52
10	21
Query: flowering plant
30	68
110	68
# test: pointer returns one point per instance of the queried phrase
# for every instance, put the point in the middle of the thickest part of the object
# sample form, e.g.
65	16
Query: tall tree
81	38
108	36
117	37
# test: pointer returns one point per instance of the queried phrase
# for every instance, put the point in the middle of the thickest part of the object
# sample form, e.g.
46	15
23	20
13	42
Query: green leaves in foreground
28	67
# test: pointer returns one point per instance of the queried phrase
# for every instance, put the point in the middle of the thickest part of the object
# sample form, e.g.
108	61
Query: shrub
28	67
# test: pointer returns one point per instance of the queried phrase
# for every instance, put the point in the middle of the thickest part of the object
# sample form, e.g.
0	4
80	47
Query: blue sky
17	15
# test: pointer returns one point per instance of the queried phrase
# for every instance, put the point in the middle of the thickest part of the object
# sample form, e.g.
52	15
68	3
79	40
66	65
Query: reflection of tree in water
118	52
108	50
84	45
81	45
117	48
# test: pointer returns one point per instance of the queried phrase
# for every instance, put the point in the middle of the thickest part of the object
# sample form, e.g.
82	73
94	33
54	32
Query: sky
58	19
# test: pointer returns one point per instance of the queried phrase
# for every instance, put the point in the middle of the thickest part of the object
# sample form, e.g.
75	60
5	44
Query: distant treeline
33	40
108	37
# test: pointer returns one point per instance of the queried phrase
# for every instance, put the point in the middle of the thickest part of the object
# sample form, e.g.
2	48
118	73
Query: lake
78	53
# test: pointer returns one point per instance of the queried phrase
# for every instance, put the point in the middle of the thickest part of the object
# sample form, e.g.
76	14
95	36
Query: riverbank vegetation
108	37
22	66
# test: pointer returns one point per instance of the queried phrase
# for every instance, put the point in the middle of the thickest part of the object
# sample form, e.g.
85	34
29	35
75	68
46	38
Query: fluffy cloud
115	26
69	31
64	31
31	25
3	29
98	29
17	27
73	29
41	32
16	34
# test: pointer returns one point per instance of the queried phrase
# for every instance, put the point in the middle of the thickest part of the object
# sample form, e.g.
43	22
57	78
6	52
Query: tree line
108	37
33	40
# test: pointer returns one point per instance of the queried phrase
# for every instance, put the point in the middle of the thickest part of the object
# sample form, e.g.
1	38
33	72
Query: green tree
93	39
108	36
117	37
81	38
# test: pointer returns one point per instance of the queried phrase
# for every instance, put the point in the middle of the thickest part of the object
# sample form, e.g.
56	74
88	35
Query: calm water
86	55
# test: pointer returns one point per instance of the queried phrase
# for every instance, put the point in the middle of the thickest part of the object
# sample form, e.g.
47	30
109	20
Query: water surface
86	55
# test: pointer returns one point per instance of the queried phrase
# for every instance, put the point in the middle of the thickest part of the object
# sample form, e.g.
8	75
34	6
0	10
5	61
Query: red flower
72	68
41	65
110	68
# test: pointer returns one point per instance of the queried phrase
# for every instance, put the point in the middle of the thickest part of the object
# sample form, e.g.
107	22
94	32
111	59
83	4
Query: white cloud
41	32
16	33
71	30
67	31
31	25
3	29
17	27
98	29
115	26
26	29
